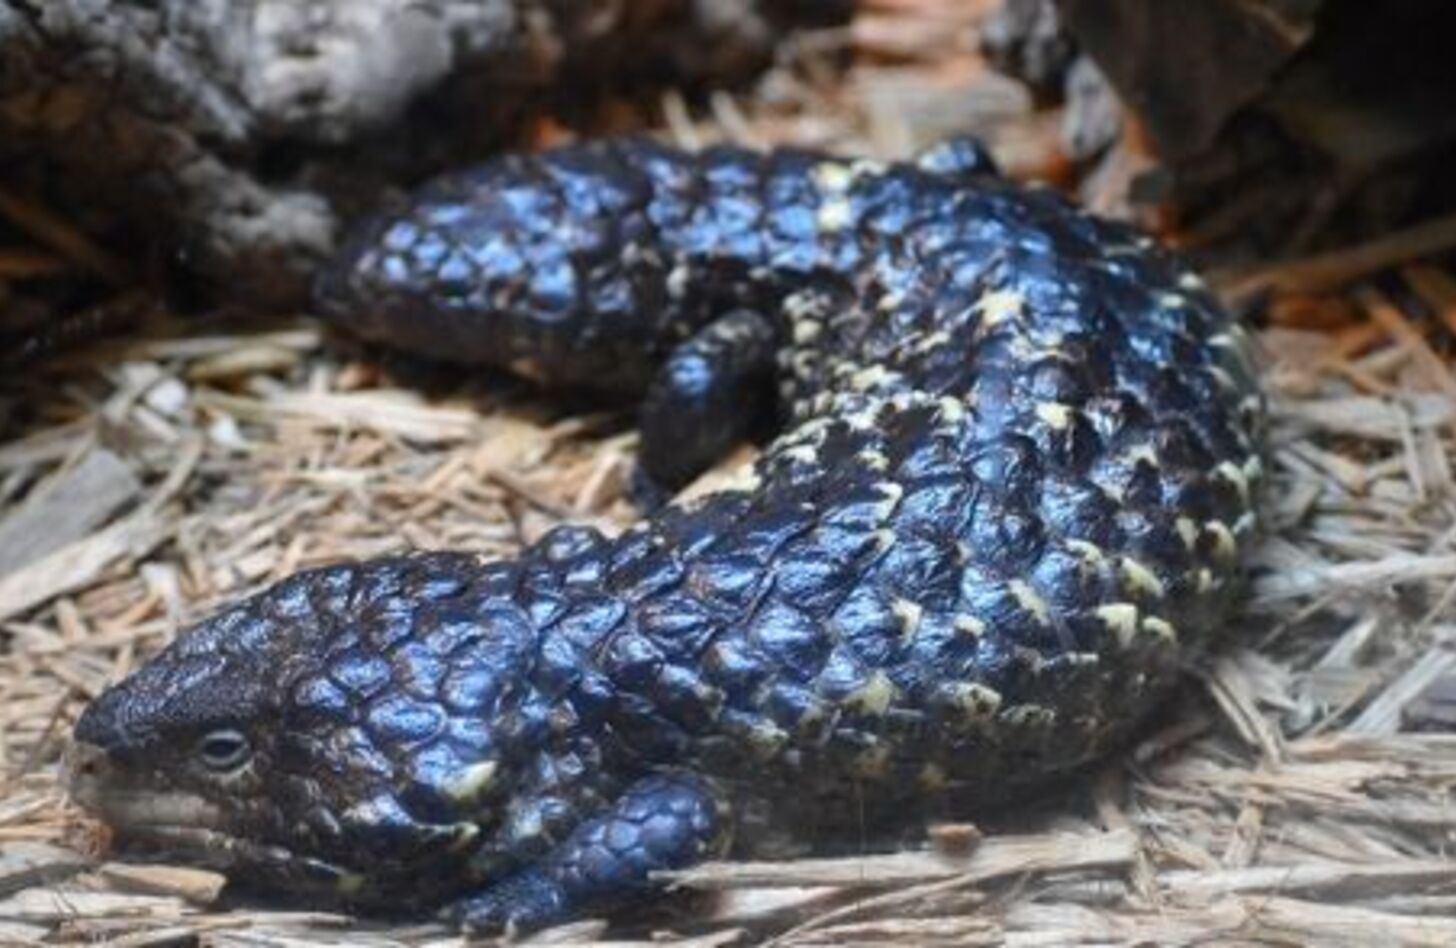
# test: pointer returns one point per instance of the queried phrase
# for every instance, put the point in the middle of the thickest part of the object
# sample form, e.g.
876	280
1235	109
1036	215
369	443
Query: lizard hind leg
713	390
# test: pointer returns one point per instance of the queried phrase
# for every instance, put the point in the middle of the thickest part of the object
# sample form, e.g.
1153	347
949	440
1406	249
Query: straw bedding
1299	791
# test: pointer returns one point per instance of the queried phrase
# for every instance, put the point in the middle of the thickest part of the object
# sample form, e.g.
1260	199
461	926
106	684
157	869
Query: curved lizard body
1009	500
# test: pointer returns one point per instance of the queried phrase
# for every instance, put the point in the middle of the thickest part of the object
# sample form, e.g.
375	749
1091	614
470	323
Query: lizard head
336	732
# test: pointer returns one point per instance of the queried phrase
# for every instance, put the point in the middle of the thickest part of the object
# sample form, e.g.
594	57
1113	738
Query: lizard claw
520	903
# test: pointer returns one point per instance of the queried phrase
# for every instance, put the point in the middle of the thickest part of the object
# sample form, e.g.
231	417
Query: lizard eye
223	749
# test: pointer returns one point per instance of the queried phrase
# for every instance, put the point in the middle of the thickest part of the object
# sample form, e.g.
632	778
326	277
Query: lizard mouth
170	823
95	785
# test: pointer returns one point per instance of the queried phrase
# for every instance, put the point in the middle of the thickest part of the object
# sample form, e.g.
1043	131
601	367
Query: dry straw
1284	798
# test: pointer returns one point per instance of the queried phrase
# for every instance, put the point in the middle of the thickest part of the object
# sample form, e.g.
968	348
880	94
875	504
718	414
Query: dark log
220	126
1277	126
1186	67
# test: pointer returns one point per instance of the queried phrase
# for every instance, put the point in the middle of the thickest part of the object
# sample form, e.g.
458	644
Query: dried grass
1284	799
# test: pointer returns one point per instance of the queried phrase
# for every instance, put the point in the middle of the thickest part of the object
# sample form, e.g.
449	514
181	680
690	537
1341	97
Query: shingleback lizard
1017	472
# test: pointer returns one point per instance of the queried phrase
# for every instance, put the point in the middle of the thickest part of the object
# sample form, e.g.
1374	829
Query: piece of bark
76	564
215	126
67	507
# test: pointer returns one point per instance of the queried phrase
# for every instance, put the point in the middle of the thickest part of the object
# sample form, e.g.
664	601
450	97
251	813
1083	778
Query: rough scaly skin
1009	500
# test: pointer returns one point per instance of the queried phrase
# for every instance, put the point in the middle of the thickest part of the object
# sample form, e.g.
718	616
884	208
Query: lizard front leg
660	822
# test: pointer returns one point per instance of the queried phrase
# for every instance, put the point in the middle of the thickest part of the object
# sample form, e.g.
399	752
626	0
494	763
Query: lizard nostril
86	765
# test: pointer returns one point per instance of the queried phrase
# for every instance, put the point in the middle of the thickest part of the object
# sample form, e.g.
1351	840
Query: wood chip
995	856
197	886
1384	714
1328	271
1356	576
956	840
67	507
1433	709
1333	881
56	905
26	864
76	564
